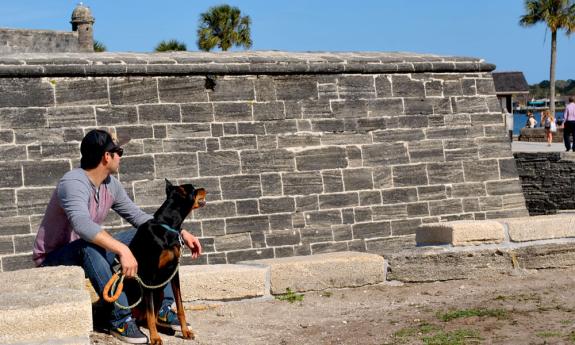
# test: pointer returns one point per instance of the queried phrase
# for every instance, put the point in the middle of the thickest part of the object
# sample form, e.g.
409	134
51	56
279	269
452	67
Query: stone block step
540	227
45	306
463	233
223	282
56	314
323	271
460	233
34	279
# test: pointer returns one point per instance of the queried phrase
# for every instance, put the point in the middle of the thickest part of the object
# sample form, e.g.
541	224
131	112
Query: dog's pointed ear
169	187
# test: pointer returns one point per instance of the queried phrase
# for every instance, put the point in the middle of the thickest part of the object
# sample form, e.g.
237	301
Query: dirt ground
534	307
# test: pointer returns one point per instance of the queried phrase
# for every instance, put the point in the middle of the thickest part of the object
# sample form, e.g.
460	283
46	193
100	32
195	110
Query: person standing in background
531	122
548	122
569	123
508	122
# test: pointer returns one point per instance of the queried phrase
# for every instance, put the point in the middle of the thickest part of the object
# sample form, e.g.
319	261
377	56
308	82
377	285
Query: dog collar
167	227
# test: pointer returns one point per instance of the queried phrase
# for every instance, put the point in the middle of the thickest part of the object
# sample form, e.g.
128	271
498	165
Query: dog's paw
187	334
156	341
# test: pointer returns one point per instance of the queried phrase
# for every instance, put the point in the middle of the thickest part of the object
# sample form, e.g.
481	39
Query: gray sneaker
129	333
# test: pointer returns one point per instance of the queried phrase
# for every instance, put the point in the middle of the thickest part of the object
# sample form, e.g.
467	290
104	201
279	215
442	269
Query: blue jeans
97	264
568	131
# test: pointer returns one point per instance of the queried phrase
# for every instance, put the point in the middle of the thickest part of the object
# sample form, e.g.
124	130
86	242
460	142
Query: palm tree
171	45
557	15
99	47
223	26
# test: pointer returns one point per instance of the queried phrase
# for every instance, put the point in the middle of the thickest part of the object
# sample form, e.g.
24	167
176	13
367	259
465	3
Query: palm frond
171	45
99	47
223	26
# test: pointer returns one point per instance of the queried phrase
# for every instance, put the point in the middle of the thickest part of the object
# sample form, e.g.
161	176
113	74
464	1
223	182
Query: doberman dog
157	249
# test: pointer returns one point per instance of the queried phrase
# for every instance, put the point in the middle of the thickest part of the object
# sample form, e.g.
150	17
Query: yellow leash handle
109	285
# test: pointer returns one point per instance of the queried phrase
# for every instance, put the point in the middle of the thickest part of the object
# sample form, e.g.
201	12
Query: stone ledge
46	278
540	227
460	233
223	282
323	271
429	264
45	306
253	62
538	135
50	314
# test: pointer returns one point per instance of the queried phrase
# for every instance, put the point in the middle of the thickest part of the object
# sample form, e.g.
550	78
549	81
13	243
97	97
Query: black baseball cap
96	143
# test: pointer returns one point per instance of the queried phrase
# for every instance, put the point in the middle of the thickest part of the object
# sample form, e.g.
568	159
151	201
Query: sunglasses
119	151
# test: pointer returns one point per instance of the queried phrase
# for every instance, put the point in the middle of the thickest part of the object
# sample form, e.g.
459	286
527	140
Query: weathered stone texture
71	116
546	180
26	92
44	173
182	90
264	161
159	113
81	91
320	159
300	153
133	90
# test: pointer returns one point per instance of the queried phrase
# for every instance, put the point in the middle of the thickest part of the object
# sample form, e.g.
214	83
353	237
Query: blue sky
486	28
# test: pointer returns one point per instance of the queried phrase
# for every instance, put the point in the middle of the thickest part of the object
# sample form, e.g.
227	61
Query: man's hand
193	243
127	259
129	263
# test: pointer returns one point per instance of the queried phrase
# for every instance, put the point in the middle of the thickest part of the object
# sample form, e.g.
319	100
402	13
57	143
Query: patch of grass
500	298
290	296
326	294
426	328
405	334
548	334
456	314
571	337
566	322
457	337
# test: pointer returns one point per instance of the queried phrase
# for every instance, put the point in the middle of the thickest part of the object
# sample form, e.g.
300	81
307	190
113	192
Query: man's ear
105	159
169	187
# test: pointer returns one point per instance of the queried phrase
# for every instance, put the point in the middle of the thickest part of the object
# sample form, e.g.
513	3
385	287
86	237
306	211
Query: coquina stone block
182	89
78	91
460	233
26	92
134	90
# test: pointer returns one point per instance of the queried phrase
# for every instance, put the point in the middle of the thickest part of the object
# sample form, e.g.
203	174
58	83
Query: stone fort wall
300	153
35	41
547	181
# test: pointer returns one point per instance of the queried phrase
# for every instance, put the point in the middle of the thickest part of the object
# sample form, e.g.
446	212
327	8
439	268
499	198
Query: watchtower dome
82	22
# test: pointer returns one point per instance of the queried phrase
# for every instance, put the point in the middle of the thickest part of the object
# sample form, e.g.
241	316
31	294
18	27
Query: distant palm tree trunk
552	73
557	15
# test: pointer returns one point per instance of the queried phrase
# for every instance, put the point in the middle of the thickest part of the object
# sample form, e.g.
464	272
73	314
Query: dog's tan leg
151	316
186	332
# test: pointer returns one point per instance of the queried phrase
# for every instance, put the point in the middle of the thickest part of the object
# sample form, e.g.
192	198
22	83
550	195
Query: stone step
34	279
460	233
463	233
323	271
54	314
45	306
540	227
429	264
223	282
